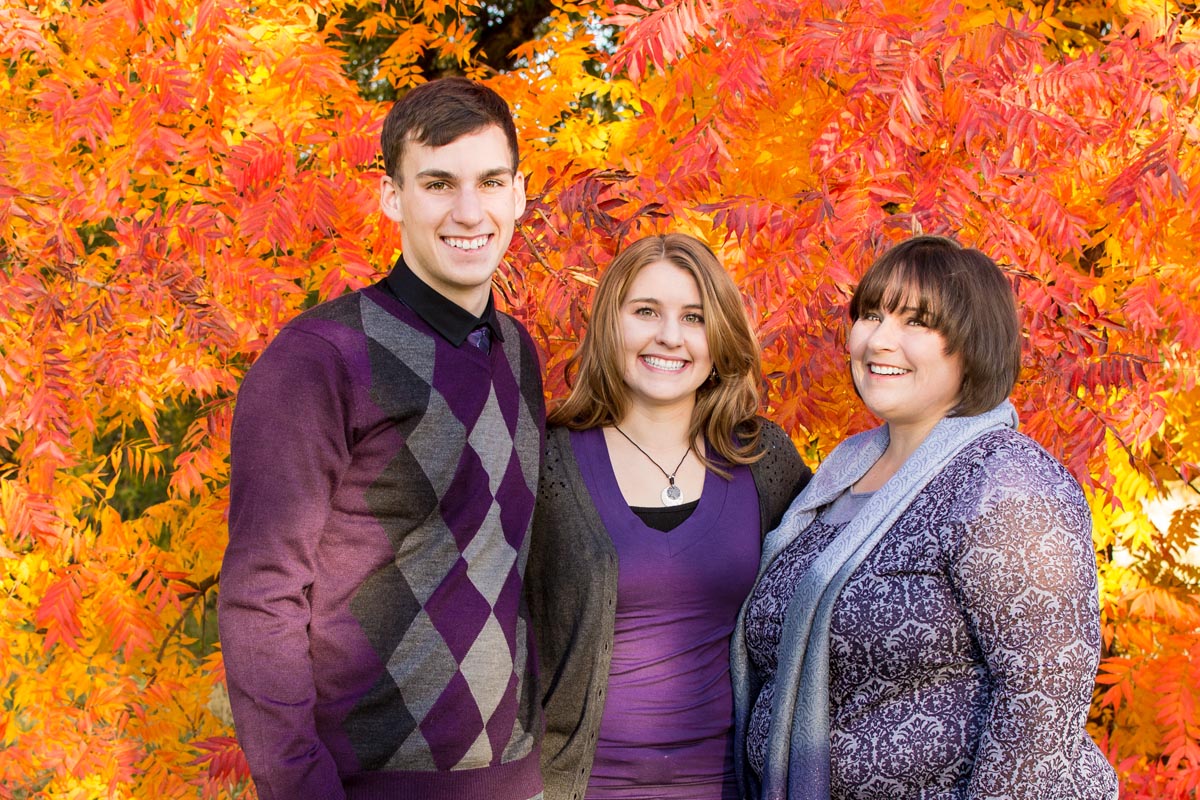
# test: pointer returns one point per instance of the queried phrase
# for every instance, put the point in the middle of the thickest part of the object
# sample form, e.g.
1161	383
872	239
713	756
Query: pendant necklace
672	495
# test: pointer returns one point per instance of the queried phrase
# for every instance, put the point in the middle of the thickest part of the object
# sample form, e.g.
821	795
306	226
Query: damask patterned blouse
964	649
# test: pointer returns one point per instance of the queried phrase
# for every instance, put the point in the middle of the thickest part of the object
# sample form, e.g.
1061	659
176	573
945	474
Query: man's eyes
443	186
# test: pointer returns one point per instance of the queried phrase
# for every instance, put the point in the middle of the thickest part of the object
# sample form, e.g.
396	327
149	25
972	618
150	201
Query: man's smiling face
457	207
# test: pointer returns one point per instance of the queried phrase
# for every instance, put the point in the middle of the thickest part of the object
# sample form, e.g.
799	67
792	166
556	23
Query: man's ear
389	199
519	195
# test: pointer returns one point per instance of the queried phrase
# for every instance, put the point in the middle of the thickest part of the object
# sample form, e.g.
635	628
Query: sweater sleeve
779	475
289	447
1025	575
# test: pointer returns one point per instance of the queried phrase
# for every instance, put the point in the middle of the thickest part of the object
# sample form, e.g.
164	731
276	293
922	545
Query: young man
385	457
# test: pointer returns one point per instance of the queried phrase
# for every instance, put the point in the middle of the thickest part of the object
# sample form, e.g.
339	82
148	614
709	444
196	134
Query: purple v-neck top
667	729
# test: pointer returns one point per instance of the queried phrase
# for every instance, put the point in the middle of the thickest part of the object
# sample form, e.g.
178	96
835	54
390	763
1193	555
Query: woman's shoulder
780	474
775	443
771	435
1006	464
557	436
1010	450
562	441
559	465
1007	494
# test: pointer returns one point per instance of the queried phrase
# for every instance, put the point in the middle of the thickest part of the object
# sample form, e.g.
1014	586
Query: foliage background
179	177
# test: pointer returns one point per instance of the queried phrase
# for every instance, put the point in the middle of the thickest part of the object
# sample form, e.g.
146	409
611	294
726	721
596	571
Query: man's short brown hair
437	113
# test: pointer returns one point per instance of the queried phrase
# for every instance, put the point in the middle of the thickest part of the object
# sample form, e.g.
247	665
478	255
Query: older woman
925	622
658	483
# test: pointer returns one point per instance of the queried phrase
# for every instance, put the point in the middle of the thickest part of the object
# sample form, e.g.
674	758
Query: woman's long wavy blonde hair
726	404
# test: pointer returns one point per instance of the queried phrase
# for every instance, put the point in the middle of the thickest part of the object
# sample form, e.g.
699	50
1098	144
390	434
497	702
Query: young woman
658	482
925	622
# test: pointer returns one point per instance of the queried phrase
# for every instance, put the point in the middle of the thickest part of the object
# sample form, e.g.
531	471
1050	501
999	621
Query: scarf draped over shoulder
797	763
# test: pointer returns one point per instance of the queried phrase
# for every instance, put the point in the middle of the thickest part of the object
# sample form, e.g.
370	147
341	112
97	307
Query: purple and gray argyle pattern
446	616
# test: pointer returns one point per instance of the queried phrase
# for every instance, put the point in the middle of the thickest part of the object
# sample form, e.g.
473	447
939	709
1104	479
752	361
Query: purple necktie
481	338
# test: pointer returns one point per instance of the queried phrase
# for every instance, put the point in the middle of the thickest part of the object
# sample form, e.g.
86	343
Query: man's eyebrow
446	175
438	174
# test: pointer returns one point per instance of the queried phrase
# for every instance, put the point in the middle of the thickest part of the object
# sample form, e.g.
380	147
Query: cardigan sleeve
1025	575
779	475
289	447
571	588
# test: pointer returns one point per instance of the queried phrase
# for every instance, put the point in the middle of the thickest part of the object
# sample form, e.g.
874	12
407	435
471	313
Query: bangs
961	294
902	285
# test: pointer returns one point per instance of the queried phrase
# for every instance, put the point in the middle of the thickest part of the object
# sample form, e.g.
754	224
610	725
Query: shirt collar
449	319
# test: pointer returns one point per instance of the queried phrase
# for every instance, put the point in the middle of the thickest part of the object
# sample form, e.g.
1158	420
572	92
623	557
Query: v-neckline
596	467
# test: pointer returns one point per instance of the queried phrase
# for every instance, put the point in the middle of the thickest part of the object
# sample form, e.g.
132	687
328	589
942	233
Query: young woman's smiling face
901	368
665	342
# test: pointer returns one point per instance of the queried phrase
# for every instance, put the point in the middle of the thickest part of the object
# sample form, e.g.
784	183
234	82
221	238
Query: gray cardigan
571	586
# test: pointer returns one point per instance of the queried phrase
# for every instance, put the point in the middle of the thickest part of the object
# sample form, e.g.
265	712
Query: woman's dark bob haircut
963	295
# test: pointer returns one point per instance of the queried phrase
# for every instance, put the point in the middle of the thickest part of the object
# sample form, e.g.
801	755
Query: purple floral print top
964	649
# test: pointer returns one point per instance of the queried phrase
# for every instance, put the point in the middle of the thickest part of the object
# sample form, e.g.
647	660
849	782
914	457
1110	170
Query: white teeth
878	370
662	363
467	244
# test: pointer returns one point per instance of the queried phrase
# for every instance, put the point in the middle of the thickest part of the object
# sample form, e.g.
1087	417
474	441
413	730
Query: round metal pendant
672	495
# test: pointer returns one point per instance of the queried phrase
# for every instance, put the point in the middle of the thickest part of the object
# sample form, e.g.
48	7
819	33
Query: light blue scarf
797	754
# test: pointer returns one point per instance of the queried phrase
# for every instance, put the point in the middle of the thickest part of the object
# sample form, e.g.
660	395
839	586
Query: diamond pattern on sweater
527	465
414	753
377	723
520	736
480	753
450	667
519	742
418	558
490	559
499	727
435	444
419	656
416	350
458	610
451	724
514	485
480	668
387	588
508	604
492	442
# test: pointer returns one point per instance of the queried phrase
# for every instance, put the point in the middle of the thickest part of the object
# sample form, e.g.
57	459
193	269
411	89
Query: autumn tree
179	178
389	47
176	180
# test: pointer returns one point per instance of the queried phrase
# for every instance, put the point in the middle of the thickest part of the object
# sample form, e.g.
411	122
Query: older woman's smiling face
901	369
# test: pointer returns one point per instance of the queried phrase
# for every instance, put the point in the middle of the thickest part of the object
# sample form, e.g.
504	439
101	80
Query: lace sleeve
1025	575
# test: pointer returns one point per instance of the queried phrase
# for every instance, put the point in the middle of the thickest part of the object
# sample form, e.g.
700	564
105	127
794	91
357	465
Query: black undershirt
667	518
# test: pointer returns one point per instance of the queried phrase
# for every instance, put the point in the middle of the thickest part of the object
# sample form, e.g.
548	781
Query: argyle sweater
382	484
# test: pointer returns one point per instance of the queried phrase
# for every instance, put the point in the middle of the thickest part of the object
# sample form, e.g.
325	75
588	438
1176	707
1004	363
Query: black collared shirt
445	316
